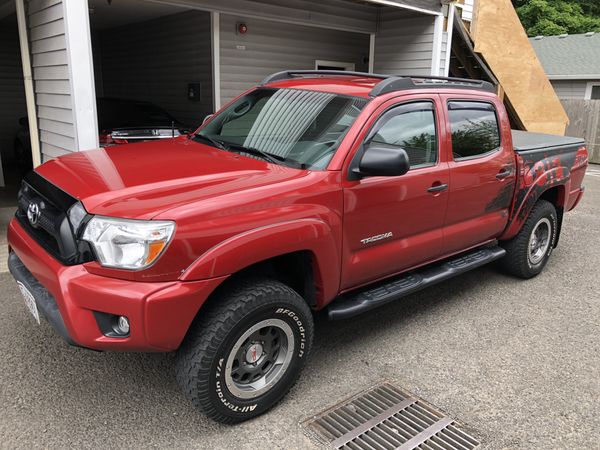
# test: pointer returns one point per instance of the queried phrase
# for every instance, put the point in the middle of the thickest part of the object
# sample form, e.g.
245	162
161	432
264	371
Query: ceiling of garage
121	12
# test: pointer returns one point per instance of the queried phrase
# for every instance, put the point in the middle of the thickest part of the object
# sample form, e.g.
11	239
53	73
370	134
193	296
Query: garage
183	59
13	109
153	53
162	54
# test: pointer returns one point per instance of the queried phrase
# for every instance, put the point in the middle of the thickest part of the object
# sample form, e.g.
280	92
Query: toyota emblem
33	214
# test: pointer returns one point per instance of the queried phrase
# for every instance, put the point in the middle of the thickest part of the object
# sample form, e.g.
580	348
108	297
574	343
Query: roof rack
391	83
289	74
397	83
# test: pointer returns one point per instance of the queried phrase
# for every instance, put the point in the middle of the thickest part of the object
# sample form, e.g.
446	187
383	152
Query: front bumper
68	296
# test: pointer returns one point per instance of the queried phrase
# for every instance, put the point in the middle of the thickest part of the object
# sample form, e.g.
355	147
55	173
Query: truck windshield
286	126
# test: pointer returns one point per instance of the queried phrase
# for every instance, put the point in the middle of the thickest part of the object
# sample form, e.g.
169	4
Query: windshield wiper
214	142
230	146
275	159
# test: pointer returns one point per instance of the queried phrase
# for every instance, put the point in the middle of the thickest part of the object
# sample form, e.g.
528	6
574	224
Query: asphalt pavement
517	362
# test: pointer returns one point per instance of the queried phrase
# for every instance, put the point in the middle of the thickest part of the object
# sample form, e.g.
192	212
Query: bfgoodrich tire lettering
204	362
521	258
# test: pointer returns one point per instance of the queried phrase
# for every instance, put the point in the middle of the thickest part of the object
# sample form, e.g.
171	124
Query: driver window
411	127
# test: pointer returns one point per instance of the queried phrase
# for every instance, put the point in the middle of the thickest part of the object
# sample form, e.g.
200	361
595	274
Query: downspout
449	34
28	80
436	54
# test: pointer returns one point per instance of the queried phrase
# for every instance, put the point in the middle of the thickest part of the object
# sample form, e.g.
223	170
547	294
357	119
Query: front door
394	223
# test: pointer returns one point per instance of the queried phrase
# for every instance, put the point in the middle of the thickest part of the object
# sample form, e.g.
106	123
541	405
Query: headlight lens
128	244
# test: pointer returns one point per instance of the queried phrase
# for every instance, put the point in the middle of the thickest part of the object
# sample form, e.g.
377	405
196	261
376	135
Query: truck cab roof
368	85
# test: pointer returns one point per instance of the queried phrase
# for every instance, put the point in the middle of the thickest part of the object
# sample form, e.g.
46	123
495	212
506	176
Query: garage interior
12	104
161	54
154	53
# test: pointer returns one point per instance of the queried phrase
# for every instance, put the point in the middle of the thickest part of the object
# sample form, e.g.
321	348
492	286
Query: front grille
53	229
386	418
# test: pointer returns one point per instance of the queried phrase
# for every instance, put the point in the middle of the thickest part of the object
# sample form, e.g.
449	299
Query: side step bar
352	304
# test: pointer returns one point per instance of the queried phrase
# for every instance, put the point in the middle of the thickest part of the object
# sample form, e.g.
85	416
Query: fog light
122	325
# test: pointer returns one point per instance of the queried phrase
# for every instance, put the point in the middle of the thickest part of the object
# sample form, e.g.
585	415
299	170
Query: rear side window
474	127
411	127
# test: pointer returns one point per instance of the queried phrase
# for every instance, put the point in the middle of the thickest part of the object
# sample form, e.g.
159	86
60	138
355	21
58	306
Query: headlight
128	244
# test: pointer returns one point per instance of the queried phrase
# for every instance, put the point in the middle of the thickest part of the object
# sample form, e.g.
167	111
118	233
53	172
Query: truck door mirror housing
384	162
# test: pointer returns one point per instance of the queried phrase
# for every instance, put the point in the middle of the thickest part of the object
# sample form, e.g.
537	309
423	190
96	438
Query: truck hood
140	181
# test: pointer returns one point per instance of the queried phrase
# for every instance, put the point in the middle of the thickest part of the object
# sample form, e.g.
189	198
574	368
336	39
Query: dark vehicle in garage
334	191
120	121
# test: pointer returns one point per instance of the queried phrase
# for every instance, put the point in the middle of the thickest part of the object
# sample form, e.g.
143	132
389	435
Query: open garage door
14	137
153	69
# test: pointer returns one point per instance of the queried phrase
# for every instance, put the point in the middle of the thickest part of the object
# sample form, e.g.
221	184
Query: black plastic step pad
384	292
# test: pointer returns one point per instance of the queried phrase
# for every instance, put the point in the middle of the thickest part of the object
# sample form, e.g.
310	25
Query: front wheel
245	354
528	252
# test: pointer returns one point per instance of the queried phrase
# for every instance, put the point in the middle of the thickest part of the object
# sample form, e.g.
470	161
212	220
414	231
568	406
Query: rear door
394	223
482	171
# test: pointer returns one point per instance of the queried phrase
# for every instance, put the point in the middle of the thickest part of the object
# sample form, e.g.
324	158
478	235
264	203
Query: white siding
467	10
12	90
404	43
270	47
51	77
443	54
569	88
155	60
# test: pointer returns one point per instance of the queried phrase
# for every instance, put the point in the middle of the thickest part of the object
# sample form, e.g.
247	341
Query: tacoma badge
379	237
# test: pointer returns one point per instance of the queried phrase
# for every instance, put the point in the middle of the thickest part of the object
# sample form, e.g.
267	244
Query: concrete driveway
517	361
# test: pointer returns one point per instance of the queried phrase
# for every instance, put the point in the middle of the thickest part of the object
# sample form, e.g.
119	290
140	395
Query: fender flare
260	244
528	197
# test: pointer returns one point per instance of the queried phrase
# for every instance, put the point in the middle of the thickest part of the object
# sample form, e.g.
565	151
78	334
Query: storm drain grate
386	418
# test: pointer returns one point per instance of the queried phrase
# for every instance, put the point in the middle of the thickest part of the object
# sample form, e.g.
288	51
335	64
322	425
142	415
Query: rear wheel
245	353
528	252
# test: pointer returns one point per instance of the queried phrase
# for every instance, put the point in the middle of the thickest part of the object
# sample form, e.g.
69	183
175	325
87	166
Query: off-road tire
202	358
517	262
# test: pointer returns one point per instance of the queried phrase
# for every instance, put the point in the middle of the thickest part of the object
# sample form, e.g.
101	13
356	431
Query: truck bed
527	142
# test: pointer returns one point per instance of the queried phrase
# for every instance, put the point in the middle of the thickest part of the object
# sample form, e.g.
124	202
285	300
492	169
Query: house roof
573	56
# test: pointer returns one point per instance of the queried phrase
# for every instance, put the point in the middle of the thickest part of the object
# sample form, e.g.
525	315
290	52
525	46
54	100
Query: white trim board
34	136
450	34
581	77
438	38
372	53
215	26
411	8
81	73
588	89
341	64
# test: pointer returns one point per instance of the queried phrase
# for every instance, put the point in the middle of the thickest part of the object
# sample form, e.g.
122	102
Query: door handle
437	188
503	174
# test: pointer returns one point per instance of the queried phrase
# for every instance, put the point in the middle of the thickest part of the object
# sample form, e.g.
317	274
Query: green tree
552	17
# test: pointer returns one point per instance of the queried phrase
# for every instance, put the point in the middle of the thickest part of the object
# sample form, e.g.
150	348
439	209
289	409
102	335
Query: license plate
29	301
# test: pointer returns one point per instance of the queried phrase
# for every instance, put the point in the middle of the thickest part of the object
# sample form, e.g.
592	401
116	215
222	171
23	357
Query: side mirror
207	118
384	162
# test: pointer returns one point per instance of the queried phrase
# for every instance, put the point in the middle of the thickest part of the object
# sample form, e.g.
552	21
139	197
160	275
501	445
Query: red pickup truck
312	191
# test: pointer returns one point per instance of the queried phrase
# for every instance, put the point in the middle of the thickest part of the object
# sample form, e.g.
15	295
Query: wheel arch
555	194
301	253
